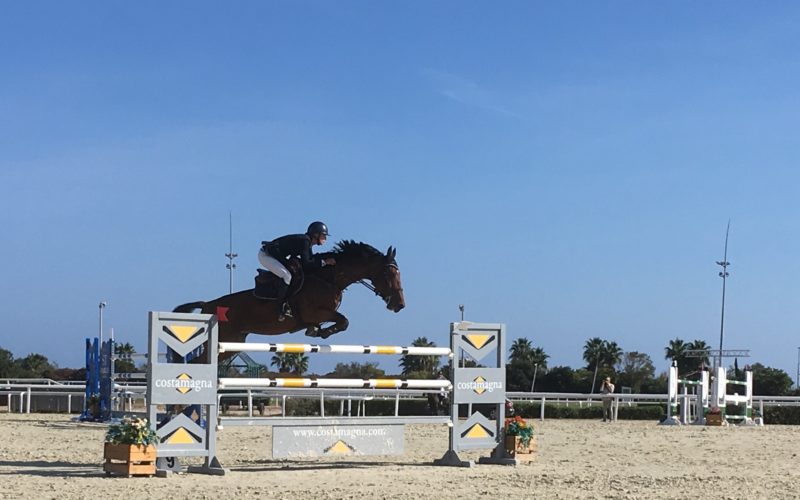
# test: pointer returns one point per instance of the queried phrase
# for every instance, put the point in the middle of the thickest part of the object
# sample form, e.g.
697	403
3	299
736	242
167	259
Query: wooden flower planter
714	419
129	459
515	448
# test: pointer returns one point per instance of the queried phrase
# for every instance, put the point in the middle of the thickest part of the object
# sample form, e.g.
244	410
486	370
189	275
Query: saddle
267	284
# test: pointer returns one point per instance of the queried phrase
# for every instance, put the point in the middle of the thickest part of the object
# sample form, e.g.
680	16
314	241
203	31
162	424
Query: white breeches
274	266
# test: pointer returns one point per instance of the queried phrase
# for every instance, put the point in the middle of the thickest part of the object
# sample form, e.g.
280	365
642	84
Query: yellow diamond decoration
183	332
340	448
184	390
477	432
481	389
478	341
181	436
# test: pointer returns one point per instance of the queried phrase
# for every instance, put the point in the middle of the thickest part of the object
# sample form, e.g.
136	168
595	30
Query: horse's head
386	281
362	263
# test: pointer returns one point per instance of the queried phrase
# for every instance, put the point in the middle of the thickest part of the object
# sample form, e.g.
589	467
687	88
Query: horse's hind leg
340	324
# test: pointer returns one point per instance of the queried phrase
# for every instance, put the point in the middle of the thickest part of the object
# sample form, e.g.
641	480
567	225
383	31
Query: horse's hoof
312	332
324	334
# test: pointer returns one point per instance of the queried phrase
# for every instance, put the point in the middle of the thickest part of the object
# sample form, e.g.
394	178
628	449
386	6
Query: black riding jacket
293	245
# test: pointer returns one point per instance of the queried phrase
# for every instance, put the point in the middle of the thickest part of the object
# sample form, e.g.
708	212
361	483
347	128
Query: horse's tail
189	307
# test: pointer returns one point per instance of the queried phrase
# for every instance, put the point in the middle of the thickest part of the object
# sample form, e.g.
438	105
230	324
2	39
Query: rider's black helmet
317	228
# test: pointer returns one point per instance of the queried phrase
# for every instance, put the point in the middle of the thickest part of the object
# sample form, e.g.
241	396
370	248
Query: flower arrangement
714	410
131	430
517	426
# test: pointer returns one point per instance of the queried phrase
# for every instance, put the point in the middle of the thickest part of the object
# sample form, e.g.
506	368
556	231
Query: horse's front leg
340	323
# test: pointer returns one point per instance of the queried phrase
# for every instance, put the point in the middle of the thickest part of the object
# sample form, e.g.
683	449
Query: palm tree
611	354
701	358
592	350
521	350
290	362
599	353
422	366
539	357
676	352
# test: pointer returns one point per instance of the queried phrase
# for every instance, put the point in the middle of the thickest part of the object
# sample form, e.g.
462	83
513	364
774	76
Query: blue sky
565	168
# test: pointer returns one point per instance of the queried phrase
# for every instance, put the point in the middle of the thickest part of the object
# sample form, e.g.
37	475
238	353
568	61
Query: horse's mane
353	249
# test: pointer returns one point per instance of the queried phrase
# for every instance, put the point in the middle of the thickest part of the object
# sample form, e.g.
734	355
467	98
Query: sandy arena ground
48	456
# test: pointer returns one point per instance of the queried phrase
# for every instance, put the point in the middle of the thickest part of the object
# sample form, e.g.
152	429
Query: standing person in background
607	390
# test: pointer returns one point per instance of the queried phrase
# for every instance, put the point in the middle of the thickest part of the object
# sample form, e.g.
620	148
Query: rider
274	253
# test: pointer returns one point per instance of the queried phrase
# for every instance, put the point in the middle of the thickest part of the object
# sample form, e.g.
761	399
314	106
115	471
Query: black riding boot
286	310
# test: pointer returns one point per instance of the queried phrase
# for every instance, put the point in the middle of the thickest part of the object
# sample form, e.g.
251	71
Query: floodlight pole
102	306
724	275
230	266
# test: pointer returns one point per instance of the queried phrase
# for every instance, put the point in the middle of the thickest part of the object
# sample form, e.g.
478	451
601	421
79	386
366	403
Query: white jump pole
336	383
335	349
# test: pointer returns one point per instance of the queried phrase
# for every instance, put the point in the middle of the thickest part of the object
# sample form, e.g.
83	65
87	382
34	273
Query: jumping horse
316	302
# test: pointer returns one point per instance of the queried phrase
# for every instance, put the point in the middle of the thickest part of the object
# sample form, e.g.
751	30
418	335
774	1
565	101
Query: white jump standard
674	398
197	384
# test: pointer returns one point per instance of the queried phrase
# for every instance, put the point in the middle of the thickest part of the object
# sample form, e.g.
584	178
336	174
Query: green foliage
357	370
423	366
124	365
677	349
8	368
524	361
770	381
131	430
517	426
634	370
295	363
599	353
782	415
560	410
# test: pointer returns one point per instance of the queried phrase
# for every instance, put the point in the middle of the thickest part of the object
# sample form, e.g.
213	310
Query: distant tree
592	352
539	357
601	356
634	370
676	352
521	350
524	361
696	363
420	366
124	365
557	379
34	366
357	370
78	374
656	385
610	355
770	381
295	363
8	369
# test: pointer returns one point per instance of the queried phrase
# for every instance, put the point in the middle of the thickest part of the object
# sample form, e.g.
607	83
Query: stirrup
286	312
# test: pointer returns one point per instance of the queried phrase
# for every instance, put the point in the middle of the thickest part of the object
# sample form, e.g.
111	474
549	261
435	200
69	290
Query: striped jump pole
335	383
335	349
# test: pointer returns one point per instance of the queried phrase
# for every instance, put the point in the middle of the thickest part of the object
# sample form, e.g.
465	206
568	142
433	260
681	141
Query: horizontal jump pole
334	349
336	383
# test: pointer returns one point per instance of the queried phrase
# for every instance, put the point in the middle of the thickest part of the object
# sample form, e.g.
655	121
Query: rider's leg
286	310
279	270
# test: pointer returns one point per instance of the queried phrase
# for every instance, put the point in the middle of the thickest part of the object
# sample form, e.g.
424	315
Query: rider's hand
330	261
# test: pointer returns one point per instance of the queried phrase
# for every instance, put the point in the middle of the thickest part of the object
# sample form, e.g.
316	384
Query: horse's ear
391	253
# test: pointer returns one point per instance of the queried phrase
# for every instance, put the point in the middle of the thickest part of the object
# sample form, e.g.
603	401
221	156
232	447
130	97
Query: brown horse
316	303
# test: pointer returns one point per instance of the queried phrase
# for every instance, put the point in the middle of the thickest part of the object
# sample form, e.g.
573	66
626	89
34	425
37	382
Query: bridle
372	288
